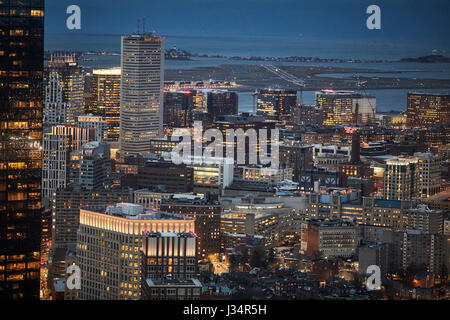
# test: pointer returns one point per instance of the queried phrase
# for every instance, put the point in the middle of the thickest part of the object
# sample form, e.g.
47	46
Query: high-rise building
109	249
79	135
106	99
21	105
66	209
64	90
142	81
91	165
423	249
429	167
178	106
219	103
277	104
298	156
170	267
59	143
55	163
400	179
310	115
169	255
424	110
341	107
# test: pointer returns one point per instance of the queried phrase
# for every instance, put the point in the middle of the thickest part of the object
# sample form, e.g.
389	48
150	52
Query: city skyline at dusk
229	152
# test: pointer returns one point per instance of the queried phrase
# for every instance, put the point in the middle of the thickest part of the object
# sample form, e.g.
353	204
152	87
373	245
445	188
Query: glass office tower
21	71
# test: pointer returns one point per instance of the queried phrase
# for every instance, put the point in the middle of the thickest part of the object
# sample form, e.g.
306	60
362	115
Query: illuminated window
37	13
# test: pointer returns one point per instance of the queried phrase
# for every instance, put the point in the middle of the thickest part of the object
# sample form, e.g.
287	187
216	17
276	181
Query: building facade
109	249
106	99
277	104
21	105
341	107
142	81
64	90
425	110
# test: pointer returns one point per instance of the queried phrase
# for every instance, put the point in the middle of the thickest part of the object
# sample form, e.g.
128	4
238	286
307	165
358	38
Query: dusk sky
400	19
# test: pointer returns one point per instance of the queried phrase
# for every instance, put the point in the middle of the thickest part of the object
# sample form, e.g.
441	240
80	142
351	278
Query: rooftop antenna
143	25
138	26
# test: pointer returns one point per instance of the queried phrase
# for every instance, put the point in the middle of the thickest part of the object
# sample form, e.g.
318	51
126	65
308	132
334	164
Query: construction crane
286	76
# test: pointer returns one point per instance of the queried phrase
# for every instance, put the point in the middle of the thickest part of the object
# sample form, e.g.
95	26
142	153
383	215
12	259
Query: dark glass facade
21	71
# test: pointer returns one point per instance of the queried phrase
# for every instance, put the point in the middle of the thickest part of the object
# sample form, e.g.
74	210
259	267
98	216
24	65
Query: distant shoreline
186	56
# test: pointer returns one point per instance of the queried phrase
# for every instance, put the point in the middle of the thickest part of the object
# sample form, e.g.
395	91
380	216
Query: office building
142	81
159	146
79	136
330	238
106	99
21	104
169	255
219	103
55	163
391	214
66	209
91	166
297	156
178	106
115	271
64	90
425	110
341	107
170	267
277	104
310	115
58	146
212	174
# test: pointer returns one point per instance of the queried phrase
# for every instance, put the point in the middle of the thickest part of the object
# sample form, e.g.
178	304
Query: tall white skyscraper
142	81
